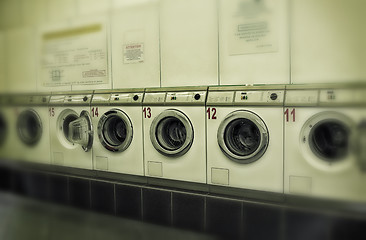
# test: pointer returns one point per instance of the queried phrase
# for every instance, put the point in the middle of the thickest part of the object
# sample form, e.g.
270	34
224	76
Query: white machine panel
220	97
301	97
253	42
135	46
188	39
155	97
327	41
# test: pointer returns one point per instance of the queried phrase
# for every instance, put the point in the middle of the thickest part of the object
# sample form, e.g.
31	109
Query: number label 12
211	113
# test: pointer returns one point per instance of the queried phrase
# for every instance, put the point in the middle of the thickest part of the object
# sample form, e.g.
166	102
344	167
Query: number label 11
289	113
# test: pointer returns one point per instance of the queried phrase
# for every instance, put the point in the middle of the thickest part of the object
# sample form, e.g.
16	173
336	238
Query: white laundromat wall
326	43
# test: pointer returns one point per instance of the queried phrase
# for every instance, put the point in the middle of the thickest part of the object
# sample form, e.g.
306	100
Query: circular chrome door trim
90	133
154	132
21	118
307	143
129	130
258	122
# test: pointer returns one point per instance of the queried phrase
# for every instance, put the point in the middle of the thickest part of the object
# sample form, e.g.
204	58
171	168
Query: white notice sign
75	56
253	27
133	53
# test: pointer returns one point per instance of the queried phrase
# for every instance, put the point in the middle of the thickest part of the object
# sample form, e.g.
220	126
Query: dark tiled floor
345	229
79	192
58	189
156	206
128	201
188	211
5	177
37	185
305	225
102	197
224	218
262	222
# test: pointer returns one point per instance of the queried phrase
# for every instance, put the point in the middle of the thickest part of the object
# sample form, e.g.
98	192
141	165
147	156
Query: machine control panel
155	97
57	99
220	97
338	96
101	98
301	97
259	97
116	98
185	97
77	99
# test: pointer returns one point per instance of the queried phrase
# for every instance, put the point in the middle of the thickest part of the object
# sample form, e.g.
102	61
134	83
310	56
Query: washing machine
9	111
174	133
245	137
254	42
32	128
118	132
71	129
325	142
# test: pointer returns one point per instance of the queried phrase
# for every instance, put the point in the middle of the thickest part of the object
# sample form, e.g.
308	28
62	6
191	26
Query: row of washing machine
295	139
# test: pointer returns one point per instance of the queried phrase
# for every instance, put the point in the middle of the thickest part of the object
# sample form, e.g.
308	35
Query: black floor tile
156	206
37	185
262	222
128	202
58	189
224	218
102	197
301	225
5	179
79	192
345	229
18	182
188	211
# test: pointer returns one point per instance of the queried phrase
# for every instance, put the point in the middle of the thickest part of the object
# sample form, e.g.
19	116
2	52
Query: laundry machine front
325	142
174	133
32	128
245	137
71	129
118	135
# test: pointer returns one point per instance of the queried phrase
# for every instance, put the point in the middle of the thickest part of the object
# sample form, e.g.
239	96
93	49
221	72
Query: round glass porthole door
328	136
29	127
115	130
243	136
3	129
171	133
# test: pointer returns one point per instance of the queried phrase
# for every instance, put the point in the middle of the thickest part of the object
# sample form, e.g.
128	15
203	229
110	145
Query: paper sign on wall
133	53
252	27
75	56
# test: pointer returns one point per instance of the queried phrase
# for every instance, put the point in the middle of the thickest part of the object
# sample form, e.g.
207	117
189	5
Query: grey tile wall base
121	177
173	184
246	194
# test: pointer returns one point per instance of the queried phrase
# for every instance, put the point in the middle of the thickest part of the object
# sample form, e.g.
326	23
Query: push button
85	98
197	96
136	97
274	96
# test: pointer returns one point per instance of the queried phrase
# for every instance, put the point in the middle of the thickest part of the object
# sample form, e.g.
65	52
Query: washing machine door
243	136
171	133
81	131
328	136
115	130
29	127
3	128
